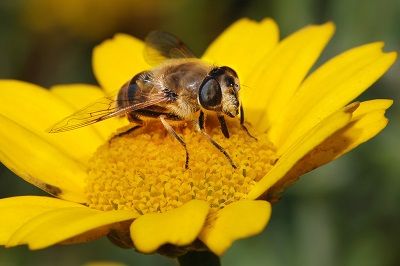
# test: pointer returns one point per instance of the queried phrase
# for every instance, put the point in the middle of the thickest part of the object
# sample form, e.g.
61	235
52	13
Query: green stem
199	258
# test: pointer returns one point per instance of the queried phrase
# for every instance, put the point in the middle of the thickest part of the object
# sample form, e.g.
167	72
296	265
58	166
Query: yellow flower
135	189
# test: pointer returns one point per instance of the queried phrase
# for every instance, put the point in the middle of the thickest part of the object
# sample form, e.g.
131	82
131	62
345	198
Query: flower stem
199	258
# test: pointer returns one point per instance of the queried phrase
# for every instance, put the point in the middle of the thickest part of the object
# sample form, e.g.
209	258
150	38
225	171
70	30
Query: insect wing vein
161	46
102	109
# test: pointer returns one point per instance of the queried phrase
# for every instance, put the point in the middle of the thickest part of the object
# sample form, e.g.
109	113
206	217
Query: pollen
144	171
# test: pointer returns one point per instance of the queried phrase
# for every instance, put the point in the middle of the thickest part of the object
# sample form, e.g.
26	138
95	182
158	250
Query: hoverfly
180	88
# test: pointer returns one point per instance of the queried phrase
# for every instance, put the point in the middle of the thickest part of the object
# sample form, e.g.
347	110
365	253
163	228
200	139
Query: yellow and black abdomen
145	99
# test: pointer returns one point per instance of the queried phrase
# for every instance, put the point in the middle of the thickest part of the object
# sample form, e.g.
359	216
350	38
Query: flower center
144	170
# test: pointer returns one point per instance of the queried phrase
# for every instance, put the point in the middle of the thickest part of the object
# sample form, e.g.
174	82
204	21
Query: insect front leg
242	122
173	133
219	147
224	128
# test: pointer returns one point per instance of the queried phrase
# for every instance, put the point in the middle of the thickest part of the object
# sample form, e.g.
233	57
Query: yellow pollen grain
144	170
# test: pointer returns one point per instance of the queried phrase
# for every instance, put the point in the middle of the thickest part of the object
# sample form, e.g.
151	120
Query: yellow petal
238	220
16	211
179	226
77	95
57	225
367	121
117	60
81	95
329	88
87	236
36	109
40	163
277	78
243	45
306	143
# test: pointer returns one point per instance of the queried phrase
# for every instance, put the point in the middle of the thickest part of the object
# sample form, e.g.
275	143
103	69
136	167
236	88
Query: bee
179	88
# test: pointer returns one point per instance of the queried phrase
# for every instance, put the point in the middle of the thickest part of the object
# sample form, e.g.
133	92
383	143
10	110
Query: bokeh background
345	213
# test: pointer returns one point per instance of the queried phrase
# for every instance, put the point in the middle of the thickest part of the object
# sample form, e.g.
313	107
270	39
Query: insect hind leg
173	133
134	119
125	132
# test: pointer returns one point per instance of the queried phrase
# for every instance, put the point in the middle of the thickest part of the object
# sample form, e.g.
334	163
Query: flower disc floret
144	170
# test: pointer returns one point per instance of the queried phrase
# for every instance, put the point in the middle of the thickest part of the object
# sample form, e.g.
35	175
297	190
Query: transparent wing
106	108
160	46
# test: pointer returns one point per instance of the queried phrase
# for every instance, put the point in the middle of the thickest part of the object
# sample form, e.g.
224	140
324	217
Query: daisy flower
135	189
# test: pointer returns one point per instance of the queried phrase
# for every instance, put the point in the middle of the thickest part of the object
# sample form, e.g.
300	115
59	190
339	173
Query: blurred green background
345	213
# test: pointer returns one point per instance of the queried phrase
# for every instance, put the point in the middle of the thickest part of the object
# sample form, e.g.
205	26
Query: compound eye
210	94
230	82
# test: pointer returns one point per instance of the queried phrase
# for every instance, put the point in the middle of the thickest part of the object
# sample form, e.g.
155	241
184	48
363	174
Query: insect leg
134	119
242	122
173	133
224	129
125	132
201	126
